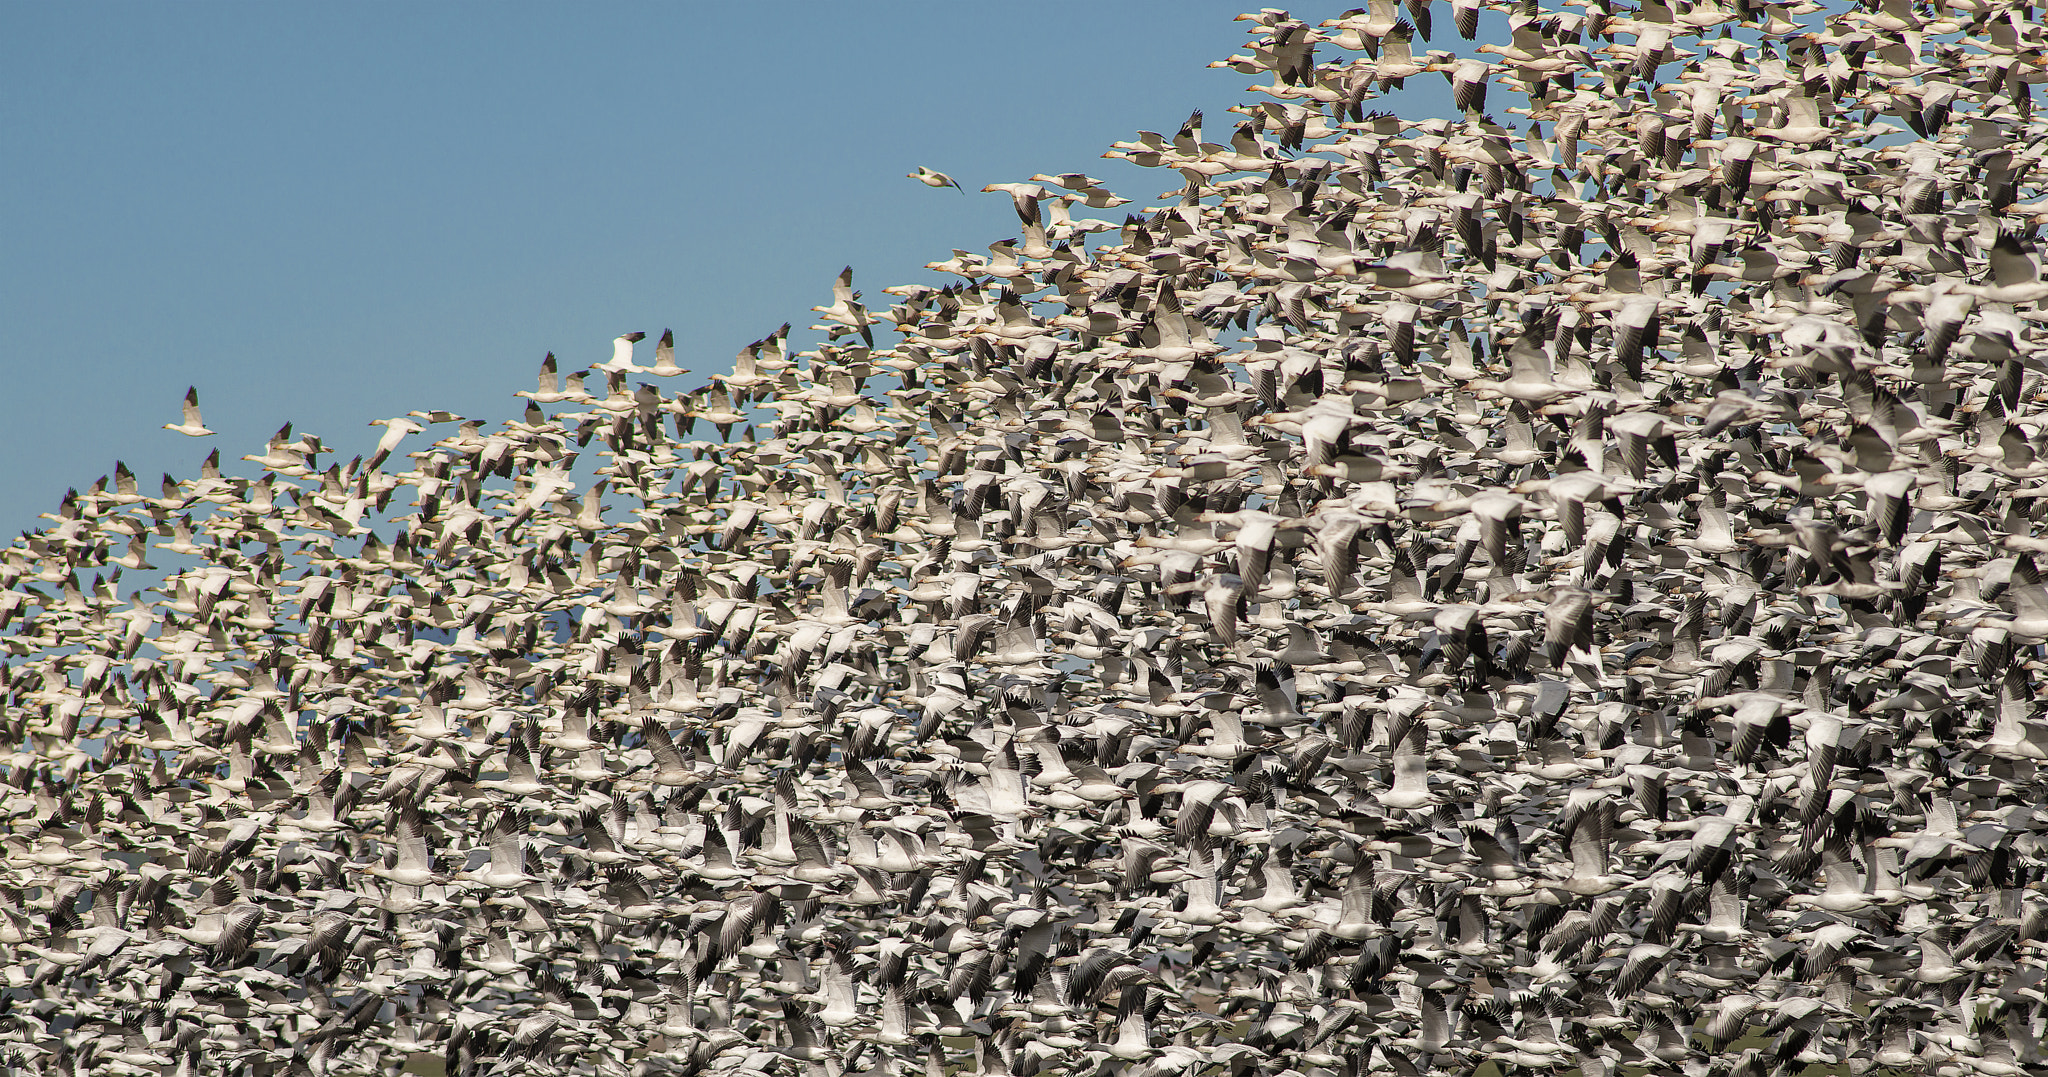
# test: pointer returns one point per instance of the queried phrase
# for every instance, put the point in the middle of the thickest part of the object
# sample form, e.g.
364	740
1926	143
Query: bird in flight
931	178
191	427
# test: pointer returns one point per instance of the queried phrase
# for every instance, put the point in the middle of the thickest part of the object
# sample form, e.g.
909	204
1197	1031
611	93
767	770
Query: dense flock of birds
1430	596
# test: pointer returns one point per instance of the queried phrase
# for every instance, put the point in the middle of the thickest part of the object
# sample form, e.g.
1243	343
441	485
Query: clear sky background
326	214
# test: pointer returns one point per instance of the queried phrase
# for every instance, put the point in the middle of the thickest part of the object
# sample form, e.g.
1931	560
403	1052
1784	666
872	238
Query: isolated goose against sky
190	425
931	178
1420	595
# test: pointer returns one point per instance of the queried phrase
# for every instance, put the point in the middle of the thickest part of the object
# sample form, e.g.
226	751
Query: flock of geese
1555	593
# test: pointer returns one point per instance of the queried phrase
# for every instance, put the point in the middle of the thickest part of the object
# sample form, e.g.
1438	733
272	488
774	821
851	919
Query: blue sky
328	214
